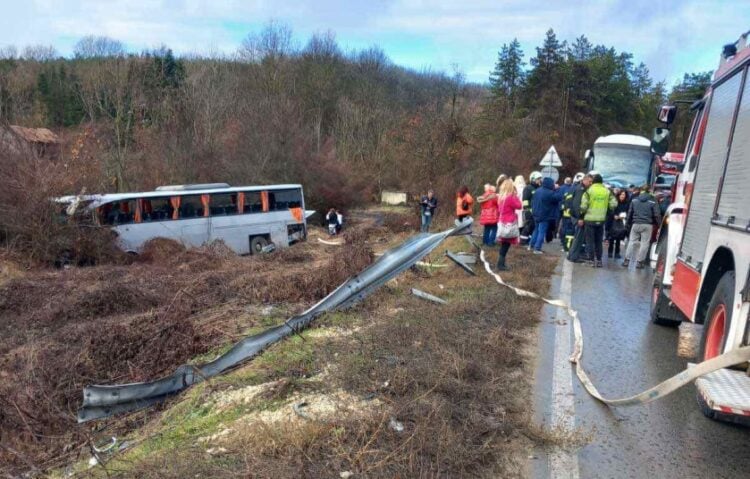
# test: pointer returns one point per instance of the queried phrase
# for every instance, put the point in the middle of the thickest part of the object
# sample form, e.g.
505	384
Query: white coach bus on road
245	218
622	160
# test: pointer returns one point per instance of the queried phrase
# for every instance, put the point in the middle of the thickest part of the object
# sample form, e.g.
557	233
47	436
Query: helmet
593	172
535	175
578	177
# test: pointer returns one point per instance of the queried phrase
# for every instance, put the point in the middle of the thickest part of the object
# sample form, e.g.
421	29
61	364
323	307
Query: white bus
622	160
246	218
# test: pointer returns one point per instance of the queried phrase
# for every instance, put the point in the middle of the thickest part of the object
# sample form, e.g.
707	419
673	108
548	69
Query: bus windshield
622	165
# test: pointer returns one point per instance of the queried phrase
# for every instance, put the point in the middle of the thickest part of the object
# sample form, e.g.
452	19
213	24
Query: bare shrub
60	331
32	224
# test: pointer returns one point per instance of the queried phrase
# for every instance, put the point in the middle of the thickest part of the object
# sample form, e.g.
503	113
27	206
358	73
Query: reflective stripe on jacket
596	202
528	196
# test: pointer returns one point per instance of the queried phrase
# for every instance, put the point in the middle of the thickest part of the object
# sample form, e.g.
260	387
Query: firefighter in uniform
567	228
535	180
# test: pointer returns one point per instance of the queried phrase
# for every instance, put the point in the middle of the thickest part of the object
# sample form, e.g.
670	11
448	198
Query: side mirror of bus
660	141
667	114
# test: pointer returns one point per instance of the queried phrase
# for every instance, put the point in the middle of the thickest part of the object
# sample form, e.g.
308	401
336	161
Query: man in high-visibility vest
596	203
535	180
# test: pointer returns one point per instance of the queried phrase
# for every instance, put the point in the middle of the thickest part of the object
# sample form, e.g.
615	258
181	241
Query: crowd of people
582	212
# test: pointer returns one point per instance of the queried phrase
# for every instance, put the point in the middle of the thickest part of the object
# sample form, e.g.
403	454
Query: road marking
563	463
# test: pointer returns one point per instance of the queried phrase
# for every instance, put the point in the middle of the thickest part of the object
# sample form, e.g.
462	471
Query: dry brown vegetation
61	330
451	375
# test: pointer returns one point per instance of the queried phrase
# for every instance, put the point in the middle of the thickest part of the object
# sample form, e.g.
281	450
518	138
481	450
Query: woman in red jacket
488	215
507	204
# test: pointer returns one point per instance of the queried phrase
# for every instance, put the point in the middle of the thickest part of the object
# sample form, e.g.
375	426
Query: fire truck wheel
718	317
660	308
714	333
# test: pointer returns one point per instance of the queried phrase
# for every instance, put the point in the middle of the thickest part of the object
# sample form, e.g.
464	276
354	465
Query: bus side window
117	213
286	199
223	204
191	207
253	203
156	209
103	213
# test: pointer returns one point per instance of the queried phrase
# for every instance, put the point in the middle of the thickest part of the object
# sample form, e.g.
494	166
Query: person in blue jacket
545	207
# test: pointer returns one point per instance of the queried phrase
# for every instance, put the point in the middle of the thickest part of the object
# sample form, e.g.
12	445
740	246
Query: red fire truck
702	254
666	168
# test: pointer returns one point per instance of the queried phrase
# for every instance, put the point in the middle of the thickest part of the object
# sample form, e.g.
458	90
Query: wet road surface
624	354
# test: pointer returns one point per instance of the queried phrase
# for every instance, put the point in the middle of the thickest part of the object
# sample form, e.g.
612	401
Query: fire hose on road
731	358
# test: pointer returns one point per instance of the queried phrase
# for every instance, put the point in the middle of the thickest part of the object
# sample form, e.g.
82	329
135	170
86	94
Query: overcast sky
671	37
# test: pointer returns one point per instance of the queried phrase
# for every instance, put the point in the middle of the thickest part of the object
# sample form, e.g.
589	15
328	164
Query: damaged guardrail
100	401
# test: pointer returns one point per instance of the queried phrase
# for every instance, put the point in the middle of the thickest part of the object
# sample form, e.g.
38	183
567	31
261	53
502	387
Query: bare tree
98	47
274	42
9	52
110	91
40	53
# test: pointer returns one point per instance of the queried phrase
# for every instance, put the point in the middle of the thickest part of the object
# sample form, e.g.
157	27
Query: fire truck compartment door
735	194
710	169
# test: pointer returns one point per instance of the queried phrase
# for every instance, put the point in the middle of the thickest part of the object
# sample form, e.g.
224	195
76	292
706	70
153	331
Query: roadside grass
61	330
429	390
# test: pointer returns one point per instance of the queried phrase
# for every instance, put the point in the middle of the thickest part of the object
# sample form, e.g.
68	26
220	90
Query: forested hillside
345	124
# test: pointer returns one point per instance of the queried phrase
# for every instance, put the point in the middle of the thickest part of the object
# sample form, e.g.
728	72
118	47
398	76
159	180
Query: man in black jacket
573	205
643	215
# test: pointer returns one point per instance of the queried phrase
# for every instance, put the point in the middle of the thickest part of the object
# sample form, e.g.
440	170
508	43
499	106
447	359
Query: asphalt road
624	354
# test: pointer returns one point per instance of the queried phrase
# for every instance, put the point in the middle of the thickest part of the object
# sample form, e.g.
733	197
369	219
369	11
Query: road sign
551	172
551	158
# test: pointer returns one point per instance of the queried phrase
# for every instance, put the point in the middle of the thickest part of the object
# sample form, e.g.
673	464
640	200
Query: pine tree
550	55
57	90
546	86
581	49
641	80
507	77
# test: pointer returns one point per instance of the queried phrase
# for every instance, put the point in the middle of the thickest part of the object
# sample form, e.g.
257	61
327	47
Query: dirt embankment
394	387
63	329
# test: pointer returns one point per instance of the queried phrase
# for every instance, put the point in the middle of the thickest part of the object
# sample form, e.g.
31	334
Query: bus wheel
661	312
257	243
718	318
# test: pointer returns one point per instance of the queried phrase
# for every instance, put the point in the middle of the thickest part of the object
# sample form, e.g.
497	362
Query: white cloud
668	38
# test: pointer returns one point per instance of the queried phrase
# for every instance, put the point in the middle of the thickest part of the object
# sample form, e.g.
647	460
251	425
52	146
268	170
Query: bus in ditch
622	160
248	219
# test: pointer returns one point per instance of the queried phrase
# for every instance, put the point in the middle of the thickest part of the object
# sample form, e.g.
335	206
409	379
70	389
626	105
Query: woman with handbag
464	203
616	230
488	214
507	226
